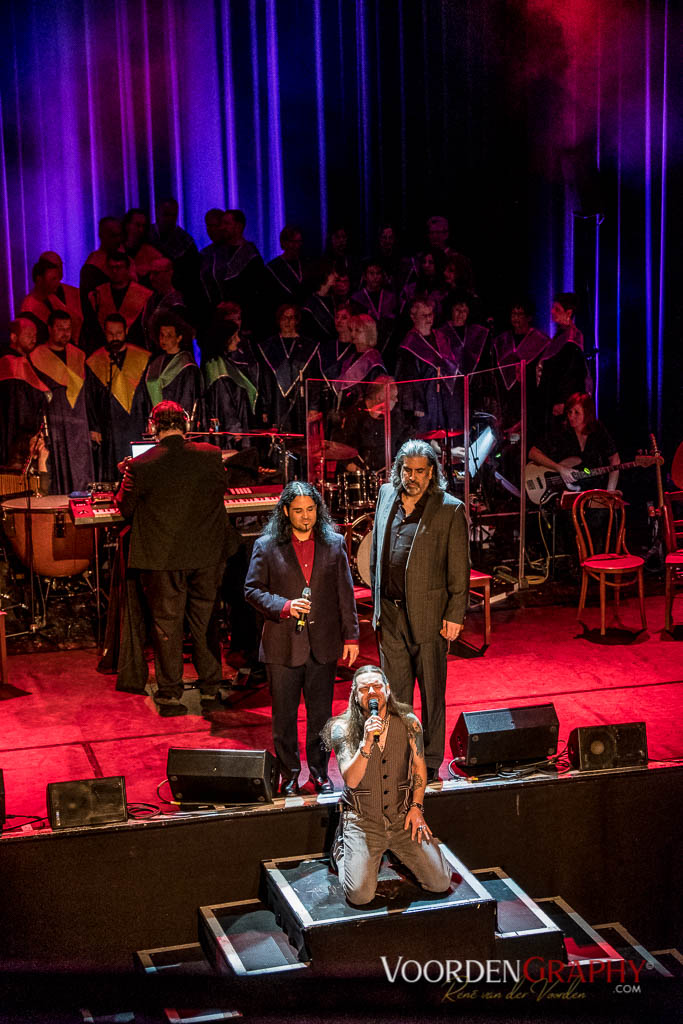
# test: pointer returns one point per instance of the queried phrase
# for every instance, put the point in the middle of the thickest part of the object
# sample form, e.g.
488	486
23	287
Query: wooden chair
4	671
602	552
481	581
673	563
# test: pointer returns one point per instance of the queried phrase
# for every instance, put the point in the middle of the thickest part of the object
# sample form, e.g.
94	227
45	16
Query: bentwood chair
673	563
600	520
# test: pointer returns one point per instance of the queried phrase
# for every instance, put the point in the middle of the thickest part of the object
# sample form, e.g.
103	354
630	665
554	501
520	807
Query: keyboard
241	501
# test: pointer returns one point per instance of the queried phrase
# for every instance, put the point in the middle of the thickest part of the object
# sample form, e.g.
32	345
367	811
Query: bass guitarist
580	436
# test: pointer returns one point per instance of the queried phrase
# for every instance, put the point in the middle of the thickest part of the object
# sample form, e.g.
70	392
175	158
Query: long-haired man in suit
302	638
174	495
420	570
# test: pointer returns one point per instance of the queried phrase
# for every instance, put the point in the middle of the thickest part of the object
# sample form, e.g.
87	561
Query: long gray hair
421	450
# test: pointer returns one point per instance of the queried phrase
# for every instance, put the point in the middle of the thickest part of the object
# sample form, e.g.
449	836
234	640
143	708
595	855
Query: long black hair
353	718
279	527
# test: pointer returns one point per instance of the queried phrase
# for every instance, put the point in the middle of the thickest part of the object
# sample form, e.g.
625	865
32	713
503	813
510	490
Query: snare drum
59	549
353	489
361	545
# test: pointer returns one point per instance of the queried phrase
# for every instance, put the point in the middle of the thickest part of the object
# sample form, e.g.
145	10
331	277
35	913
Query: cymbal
333	451
440	435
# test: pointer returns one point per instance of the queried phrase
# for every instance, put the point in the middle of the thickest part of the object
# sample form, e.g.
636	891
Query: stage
86	899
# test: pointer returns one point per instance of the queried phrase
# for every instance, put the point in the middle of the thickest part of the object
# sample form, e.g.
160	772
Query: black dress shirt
398	540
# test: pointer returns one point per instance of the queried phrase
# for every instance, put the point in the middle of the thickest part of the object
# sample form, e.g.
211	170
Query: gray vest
384	791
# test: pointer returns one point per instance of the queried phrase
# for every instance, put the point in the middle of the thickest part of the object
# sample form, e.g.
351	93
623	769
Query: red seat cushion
675	558
479	577
614	563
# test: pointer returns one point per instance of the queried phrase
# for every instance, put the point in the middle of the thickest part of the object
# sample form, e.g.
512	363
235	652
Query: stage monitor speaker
87	802
505	735
594	748
2	801
222	776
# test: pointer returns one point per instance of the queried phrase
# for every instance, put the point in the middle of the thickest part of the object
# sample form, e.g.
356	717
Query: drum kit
39	532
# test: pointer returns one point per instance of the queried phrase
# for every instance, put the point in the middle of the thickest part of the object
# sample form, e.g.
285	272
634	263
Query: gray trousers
364	844
403	661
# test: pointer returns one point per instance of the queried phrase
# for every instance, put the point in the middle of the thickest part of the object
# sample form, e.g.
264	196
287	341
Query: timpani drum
59	549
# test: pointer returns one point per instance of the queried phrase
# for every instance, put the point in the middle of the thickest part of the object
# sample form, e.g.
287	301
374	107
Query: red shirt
305	553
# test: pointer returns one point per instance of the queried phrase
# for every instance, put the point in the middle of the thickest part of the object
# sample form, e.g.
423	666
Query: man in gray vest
420	570
380	753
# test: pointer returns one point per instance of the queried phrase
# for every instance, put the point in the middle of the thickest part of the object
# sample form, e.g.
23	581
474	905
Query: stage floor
63	720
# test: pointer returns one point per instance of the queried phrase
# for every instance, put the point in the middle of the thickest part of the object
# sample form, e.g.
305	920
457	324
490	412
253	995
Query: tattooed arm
352	764
415	821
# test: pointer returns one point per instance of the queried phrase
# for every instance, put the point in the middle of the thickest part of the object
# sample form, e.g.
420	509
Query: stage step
245	939
630	949
334	936
671	960
187	959
523	928
582	942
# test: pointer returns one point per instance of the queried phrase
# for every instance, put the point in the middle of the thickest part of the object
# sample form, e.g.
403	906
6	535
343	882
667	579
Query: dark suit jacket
275	577
438	569
174	494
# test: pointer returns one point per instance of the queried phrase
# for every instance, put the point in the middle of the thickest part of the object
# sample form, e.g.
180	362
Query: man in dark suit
302	637
420	570
174	495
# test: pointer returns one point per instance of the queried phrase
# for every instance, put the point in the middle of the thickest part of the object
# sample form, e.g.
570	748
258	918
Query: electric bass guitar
540	482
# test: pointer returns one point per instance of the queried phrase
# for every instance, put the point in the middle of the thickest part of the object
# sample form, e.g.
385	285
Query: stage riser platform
88	898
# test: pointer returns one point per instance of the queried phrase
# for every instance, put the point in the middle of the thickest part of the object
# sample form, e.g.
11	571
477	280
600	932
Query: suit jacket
174	494
275	577
438	567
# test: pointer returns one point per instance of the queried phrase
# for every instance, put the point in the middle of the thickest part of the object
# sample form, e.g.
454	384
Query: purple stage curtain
548	132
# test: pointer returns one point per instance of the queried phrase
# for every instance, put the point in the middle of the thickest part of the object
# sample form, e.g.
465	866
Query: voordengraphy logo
497	972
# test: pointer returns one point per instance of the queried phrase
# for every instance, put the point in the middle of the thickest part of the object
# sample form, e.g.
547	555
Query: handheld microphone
301	621
373	708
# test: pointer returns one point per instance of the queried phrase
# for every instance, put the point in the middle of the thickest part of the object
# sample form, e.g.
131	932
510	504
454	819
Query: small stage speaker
505	736
593	748
87	802
222	776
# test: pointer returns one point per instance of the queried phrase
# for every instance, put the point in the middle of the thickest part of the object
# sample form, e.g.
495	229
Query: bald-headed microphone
373	708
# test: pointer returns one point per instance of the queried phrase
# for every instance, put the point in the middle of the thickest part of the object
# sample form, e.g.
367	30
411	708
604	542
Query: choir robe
23	401
231	273
331	352
116	404
283	281
562	371
66	299
382	306
232	391
172	302
352	371
174	379
289	362
71	462
511	349
317	318
179	246
129	302
430	404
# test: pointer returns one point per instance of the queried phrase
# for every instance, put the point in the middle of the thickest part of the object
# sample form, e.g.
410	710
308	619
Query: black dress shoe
322	785
432	775
169	707
290	787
